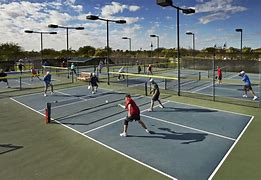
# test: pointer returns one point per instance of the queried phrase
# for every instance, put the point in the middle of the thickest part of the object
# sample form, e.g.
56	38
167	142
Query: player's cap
242	72
48	72
151	80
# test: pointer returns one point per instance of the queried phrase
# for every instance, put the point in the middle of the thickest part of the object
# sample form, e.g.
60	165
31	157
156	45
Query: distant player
48	82
219	75
149	69
247	86
20	66
121	70
155	95
34	74
73	69
94	83
133	113
3	78
139	69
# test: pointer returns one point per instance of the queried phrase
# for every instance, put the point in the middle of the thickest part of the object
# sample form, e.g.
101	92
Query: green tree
86	51
10	51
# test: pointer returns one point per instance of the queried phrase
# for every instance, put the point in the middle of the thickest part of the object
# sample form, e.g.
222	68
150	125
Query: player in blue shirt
48	82
247	86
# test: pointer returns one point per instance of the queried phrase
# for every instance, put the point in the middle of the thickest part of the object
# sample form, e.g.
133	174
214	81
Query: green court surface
30	149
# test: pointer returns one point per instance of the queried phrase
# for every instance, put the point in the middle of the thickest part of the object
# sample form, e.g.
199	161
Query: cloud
217	10
213	17
115	8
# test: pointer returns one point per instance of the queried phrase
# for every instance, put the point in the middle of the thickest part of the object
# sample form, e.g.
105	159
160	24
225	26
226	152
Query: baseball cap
151	80
242	72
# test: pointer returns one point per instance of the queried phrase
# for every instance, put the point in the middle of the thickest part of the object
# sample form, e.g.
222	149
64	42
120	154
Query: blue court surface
187	142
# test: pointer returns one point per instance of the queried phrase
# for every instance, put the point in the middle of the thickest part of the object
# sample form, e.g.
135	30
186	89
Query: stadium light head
28	31
153	35
165	3
125	38
79	28
188	11
92	17
120	21
52	32
189	33
239	30
53	26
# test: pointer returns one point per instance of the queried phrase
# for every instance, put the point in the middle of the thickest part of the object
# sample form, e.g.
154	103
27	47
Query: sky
214	23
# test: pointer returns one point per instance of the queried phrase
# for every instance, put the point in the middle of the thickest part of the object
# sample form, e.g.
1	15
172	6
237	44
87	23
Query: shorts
47	84
220	78
247	87
155	97
131	118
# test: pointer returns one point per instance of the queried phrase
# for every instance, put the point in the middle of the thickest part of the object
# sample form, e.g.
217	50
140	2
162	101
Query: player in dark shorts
48	82
35	74
133	114
155	95
247	87
3	78
94	83
20	67
219	75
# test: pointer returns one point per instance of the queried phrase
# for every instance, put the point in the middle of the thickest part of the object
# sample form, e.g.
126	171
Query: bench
84	76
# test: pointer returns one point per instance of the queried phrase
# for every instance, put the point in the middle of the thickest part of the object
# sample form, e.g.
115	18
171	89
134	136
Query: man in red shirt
133	114
219	75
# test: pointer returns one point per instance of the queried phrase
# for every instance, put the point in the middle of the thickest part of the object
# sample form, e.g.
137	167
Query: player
3	77
149	69
73	69
20	66
155	95
48	82
247	86
34	74
93	83
219	75
121	70
139	69
133	114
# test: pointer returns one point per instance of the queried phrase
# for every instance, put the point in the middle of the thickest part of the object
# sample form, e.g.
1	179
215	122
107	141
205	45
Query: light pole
92	17
154	35
241	32
165	3
193	42
41	42
67	36
129	43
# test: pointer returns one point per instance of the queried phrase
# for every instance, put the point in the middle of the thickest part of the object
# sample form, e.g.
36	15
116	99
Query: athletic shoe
150	110
161	106
93	92
244	95
255	97
124	134
147	131
45	94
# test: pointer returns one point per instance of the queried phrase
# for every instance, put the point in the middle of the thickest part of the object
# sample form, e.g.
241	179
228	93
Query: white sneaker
244	95
124	134
93	92
45	94
147	131
150	110
161	106
255	97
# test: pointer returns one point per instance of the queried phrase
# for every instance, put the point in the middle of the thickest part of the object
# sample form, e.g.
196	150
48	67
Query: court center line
187	127
117	120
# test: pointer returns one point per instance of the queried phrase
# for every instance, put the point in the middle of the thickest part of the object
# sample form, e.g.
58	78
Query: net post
48	113
199	76
20	82
165	83
146	89
72	76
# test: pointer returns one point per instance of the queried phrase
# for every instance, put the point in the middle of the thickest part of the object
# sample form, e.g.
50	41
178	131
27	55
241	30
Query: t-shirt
219	72
134	109
33	71
155	90
47	78
246	79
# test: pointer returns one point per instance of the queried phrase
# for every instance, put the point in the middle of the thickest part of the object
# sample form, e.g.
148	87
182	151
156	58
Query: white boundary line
229	151
117	151
187	127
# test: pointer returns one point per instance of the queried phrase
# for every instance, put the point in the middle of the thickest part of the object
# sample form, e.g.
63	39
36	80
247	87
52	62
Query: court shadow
172	135
8	148
174	109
